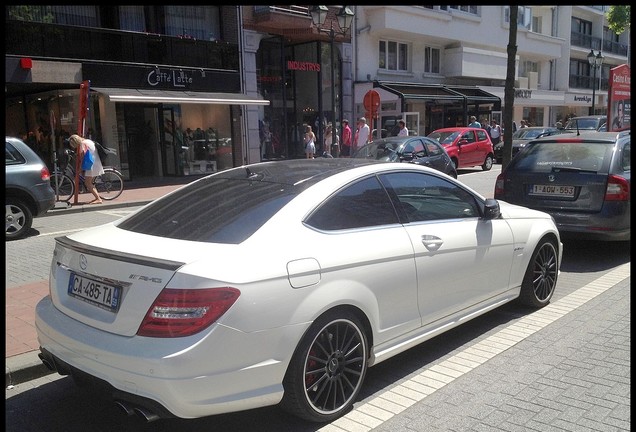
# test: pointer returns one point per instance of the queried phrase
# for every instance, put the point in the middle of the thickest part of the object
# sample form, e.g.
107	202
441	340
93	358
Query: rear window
215	210
544	156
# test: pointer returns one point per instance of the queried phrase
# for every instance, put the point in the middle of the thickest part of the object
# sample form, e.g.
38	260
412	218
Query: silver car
27	188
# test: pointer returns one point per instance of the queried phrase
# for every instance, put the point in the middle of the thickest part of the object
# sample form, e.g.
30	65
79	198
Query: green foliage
31	13
619	18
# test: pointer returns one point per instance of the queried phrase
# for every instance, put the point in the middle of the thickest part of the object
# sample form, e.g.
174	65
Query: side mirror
491	209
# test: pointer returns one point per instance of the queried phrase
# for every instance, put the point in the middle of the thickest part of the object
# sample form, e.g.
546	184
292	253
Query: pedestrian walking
347	136
86	148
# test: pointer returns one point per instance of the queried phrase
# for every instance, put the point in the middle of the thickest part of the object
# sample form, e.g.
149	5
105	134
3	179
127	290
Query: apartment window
524	16
609	35
528	66
467	9
536	24
197	22
581	26
132	18
431	60
393	56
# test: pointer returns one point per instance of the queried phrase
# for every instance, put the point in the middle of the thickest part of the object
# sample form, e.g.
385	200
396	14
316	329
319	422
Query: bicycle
109	185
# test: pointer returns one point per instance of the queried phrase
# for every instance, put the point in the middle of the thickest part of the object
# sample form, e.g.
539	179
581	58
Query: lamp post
595	60
345	18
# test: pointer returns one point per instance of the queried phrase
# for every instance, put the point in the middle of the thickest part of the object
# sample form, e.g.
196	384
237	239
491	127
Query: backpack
101	151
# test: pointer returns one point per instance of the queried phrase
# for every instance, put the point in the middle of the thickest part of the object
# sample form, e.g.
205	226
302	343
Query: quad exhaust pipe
129	410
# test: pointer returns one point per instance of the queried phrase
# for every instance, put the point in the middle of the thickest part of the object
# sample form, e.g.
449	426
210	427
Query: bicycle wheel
65	186
110	184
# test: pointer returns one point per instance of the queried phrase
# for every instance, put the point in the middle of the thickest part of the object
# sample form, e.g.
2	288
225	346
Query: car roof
293	171
455	129
585	137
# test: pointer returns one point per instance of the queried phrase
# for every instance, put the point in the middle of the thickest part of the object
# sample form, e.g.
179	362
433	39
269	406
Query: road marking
392	402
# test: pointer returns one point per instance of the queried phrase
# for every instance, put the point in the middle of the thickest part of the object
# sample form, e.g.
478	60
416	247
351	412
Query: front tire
18	218
487	166
327	369
541	275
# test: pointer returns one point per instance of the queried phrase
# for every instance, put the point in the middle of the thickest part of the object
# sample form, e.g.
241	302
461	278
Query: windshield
383	150
527	134
444	137
583	123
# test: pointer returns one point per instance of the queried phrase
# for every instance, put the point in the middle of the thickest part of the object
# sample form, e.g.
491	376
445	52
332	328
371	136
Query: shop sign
523	94
175	78
303	66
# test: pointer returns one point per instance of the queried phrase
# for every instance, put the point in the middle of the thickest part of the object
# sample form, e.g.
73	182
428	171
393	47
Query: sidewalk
22	362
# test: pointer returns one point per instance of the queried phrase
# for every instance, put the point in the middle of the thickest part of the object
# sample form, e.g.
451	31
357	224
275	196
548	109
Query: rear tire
487	166
541	275
327	369
109	185
18	218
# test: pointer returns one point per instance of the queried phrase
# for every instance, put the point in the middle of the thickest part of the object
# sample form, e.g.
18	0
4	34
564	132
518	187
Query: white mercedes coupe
282	283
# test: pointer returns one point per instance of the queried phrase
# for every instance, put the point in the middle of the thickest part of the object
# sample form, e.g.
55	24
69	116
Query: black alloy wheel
540	279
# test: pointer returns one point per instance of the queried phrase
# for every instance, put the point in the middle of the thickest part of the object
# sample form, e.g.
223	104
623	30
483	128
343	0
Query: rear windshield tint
543	157
216	210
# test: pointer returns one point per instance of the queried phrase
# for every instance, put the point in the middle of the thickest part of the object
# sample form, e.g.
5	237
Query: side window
417	148
626	159
481	135
11	155
363	204
433	149
469	135
426	197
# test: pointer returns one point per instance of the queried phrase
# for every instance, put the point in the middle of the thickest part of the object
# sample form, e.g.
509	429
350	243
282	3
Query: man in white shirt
404	132
362	134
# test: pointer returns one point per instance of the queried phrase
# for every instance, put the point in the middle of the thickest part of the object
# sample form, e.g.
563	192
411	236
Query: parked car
467	147
522	136
282	282
583	181
418	150
585	123
28	191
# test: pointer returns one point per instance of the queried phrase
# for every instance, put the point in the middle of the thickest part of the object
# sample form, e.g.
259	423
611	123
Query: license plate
98	293
552	190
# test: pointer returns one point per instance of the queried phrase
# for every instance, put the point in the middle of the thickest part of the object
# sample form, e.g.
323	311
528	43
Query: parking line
392	402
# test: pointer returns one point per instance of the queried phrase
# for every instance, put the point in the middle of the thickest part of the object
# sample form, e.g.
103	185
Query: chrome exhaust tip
127	409
145	414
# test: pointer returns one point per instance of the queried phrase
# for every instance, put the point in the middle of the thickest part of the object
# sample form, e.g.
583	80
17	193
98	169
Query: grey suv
27	187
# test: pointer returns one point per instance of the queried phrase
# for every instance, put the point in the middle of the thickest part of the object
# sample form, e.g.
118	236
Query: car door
432	155
461	259
468	149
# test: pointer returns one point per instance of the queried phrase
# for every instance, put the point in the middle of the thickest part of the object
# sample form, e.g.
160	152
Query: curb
24	367
86	208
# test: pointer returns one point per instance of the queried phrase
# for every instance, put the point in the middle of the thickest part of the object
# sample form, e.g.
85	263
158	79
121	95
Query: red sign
372	101
619	99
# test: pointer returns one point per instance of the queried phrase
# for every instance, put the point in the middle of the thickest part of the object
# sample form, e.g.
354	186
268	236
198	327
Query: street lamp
595	60
345	19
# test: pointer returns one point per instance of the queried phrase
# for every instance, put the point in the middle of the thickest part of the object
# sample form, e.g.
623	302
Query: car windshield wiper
573	169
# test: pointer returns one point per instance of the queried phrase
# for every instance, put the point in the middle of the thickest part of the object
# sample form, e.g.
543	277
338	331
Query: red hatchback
467	147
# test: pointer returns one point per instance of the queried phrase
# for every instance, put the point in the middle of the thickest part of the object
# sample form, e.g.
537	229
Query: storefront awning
440	93
177	97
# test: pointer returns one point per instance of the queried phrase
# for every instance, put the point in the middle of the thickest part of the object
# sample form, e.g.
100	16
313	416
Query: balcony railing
590	42
585	82
59	42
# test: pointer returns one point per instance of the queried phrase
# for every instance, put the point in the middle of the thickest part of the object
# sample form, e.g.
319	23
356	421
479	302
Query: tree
509	90
619	18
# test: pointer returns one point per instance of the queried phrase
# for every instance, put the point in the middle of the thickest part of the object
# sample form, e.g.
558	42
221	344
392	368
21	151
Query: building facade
165	83
181	90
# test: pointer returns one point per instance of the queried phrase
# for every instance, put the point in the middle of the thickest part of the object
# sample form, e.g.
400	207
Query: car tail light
617	189
499	185
184	312
45	174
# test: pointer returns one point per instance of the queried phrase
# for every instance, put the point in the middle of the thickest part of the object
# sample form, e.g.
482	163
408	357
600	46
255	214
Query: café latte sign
175	78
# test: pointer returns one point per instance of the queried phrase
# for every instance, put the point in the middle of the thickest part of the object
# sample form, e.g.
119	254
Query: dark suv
28	191
582	180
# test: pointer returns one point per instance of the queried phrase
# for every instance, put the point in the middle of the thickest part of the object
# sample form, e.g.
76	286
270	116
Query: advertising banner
619	99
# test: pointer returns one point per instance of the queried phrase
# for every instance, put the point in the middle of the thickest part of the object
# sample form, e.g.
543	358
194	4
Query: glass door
412	120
